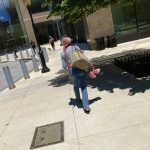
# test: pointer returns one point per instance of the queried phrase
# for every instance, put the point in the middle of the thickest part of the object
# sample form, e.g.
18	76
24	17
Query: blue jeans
78	79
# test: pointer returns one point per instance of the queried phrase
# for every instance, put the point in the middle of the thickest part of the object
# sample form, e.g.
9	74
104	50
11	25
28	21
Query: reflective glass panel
11	30
124	18
143	13
131	17
36	6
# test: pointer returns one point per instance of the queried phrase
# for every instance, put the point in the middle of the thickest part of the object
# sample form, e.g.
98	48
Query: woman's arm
78	48
63	61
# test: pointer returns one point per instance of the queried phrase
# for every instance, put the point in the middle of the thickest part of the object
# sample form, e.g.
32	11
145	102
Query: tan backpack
79	60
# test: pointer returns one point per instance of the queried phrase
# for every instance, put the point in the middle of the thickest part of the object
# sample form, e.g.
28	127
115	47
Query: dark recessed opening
137	63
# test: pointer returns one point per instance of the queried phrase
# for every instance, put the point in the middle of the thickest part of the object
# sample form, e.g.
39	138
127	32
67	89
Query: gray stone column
16	2
26	20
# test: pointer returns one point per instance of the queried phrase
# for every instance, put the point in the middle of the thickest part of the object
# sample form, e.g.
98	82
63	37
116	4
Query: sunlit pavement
120	108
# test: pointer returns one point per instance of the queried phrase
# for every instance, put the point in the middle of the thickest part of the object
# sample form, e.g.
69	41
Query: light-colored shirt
66	58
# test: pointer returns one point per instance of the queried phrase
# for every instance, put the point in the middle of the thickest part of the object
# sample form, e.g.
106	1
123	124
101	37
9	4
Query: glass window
8	11
4	14
124	18
131	17
143	13
36	6
12	29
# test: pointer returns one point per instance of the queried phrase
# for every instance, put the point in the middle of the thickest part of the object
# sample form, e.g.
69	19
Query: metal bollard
24	69
45	54
14	56
9	78
39	56
21	54
27	52
0	60
36	50
32	50
35	63
7	57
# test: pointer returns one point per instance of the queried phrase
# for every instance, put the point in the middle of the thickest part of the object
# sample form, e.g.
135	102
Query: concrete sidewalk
120	103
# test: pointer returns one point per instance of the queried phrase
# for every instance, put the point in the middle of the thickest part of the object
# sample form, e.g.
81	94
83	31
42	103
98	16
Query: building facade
55	26
13	31
127	21
131	21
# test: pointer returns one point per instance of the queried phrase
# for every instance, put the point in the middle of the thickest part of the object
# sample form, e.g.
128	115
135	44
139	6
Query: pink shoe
92	75
96	71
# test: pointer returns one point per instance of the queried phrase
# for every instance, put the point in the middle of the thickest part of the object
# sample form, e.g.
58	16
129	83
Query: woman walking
78	77
52	42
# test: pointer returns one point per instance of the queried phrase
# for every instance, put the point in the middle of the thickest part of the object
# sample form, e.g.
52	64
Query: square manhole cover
48	134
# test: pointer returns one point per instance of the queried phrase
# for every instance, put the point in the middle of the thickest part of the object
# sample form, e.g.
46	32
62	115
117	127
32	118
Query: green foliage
3	27
74	10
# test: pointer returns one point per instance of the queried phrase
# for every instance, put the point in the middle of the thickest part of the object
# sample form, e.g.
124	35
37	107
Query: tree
4	26
74	10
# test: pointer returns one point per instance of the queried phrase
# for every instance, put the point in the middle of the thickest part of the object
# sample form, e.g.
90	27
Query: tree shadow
75	102
113	77
60	80
61	71
140	86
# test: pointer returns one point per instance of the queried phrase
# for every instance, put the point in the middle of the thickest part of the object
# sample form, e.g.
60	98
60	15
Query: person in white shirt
78	76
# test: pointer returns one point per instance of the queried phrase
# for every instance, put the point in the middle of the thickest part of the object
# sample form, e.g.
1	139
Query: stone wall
99	24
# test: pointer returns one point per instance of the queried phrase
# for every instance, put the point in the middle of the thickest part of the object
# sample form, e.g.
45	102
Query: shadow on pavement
113	77
25	59
75	102
59	81
61	71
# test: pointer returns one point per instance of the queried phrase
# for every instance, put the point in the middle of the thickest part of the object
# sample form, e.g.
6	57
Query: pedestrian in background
52	42
78	77
33	46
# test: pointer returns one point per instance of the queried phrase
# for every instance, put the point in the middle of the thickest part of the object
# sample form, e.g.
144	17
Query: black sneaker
80	101
87	111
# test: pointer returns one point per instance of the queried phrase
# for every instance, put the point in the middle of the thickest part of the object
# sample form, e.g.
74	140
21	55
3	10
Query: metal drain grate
48	134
